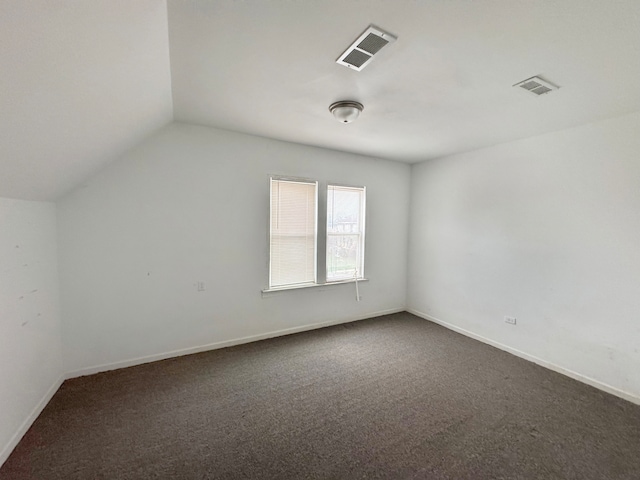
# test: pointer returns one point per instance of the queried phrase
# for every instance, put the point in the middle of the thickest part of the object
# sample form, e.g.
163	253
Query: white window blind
345	232
293	233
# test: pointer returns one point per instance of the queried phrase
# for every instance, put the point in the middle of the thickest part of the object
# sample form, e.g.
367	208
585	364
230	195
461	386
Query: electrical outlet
200	286
510	320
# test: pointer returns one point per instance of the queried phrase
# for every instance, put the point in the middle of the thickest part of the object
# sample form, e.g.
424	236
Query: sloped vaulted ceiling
82	81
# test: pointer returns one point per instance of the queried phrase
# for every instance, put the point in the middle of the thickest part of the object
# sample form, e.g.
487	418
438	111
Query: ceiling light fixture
346	111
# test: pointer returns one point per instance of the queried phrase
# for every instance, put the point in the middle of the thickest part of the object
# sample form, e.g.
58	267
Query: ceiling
80	83
83	81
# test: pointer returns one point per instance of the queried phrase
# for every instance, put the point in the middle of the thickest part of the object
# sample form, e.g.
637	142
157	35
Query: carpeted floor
391	397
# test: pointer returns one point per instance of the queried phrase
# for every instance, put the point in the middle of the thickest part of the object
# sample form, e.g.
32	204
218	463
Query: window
293	233
345	233
299	242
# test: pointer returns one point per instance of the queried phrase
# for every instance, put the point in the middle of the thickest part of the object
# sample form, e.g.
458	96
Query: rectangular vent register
363	50
536	85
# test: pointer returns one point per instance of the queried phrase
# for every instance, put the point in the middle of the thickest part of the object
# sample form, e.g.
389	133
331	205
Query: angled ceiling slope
81	82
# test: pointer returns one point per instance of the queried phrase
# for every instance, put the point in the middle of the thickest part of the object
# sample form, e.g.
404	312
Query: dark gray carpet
391	397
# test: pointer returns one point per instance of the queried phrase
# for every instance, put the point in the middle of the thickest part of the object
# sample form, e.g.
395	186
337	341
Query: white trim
361	233
309	285
532	358
285	178
22	429
37	410
226	343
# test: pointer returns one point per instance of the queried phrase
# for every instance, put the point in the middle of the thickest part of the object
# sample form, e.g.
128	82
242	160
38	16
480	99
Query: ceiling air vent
536	85
362	51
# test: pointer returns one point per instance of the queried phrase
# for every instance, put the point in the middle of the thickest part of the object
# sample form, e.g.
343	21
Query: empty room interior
337	239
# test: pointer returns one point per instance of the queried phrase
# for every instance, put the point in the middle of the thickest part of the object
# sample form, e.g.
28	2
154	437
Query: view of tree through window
345	233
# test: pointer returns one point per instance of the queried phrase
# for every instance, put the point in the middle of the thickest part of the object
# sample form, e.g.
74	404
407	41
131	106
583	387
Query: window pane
345	232
293	233
342	256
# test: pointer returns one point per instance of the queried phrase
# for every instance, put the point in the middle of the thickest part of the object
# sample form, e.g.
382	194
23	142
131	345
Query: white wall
192	204
547	230
30	346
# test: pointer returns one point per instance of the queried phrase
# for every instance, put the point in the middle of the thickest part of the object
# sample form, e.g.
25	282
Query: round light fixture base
346	111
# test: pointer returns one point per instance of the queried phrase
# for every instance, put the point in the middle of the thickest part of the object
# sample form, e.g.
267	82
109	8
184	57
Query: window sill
268	291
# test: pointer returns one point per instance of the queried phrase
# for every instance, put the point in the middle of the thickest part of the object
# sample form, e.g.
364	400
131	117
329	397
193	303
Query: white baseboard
543	363
226	343
15	439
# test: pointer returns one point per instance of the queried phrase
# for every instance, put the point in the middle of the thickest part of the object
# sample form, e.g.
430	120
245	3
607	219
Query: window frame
322	188
306	181
361	233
